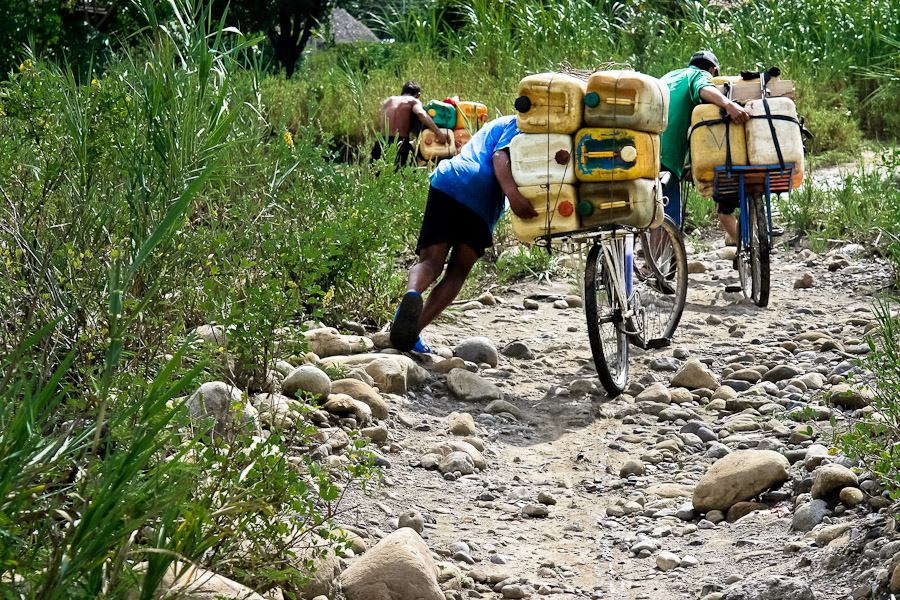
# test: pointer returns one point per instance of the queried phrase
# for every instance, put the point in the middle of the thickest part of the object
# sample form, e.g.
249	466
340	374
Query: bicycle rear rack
734	183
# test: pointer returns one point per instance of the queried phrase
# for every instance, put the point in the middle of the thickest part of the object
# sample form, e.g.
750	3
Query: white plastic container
542	158
431	150
550	103
760	144
557	201
626	99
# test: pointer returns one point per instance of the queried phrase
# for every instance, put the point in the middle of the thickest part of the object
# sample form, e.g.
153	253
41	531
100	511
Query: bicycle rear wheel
660	282
753	261
605	318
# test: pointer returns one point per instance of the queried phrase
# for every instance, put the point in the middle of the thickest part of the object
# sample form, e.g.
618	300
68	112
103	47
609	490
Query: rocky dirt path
586	496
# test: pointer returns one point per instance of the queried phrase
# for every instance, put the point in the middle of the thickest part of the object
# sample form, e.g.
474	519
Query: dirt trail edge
586	496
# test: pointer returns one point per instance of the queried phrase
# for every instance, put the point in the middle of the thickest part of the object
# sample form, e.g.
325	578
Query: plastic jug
616	154
461	137
709	147
542	158
431	150
470	115
550	103
555	205
760	144
626	99
442	113
636	203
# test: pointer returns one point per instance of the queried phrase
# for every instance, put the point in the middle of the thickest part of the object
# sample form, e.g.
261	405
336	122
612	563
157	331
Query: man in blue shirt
465	201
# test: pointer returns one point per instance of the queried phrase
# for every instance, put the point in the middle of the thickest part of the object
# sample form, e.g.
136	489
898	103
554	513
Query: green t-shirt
684	95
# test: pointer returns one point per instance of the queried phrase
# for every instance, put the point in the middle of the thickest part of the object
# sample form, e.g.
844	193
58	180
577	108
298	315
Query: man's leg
428	269
405	329
729	224
461	262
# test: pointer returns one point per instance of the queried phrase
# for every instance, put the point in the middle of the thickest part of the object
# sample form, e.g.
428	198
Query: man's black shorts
450	221
405	151
727	206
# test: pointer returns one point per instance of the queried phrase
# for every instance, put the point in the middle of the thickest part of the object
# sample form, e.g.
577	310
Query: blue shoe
421	347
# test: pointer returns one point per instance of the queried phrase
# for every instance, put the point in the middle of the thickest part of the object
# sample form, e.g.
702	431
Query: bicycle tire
760	250
753	261
660	281
605	326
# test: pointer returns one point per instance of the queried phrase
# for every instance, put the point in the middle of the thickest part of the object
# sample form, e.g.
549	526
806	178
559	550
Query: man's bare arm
737	112
503	172
426	119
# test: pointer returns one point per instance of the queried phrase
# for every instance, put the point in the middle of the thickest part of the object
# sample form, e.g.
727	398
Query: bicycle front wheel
753	261
605	317
660	281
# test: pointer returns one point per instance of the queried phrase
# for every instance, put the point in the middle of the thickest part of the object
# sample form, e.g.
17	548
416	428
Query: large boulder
327	341
694	375
393	373
214	335
343	405
739	476
850	397
832	478
809	515
193	583
399	567
471	387
309	379
363	392
478	350
446	448
324	579
773	587
222	402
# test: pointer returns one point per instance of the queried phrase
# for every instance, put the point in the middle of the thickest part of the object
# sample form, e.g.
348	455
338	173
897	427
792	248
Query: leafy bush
875	437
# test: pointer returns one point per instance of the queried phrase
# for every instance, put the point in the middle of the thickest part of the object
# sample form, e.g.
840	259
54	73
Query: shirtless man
396	123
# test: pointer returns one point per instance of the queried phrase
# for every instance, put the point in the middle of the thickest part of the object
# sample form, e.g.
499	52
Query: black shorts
449	221
727	206
405	151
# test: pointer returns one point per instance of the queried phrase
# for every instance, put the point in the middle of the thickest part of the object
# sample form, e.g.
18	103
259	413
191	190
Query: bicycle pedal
733	289
657	343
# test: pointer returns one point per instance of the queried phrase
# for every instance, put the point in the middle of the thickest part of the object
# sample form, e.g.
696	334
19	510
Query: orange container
461	137
470	115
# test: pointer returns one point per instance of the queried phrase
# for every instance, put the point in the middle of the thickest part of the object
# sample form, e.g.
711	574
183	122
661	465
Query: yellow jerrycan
760	143
431	150
626	99
709	146
635	203
613	154
470	115
542	158
550	103
555	206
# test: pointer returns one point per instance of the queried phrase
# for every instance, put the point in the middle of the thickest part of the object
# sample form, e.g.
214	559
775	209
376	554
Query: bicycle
753	187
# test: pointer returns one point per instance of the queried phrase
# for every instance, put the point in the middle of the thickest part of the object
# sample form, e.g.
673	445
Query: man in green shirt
688	88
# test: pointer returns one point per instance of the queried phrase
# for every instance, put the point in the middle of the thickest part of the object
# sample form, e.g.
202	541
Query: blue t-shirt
469	178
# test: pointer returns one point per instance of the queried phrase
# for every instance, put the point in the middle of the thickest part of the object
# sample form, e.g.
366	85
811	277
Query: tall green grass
158	196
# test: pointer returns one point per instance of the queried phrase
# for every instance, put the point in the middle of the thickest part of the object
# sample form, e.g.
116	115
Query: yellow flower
26	65
289	139
329	295
127	97
95	83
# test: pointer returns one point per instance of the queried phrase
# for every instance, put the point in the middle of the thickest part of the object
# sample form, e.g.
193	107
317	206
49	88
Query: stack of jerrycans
549	107
617	154
458	119
588	154
715	142
444	116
